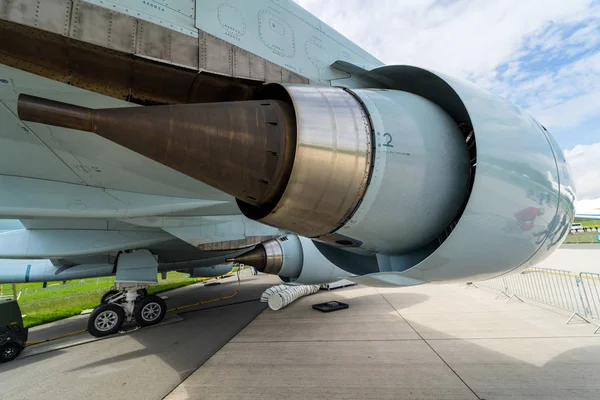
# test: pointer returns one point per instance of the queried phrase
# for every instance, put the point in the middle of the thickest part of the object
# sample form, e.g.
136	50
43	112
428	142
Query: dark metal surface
332	162
266	257
247	242
36	109
245	149
10	313
257	258
114	54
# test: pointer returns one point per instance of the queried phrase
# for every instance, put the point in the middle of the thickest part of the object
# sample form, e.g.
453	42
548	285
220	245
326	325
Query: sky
543	55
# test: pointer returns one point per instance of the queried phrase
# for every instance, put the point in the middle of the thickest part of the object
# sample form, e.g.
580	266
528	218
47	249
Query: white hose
285	297
271	291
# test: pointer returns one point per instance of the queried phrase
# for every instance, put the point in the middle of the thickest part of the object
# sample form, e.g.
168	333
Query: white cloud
590	206
462	38
585	160
544	56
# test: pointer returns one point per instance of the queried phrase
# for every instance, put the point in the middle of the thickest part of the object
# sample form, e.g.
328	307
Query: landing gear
125	304
106	319
150	311
113	296
107	297
129	300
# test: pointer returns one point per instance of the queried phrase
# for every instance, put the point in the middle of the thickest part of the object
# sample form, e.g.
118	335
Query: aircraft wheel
107	295
9	352
105	320
150	310
141	294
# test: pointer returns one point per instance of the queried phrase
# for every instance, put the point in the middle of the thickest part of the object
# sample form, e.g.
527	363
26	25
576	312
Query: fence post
504	291
554	288
583	303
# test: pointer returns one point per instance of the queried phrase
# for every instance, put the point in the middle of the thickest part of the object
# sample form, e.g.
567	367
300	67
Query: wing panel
25	197
21	150
67	243
79	157
173	14
283	33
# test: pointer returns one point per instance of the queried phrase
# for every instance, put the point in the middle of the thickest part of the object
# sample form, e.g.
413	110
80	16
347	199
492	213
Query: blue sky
542	55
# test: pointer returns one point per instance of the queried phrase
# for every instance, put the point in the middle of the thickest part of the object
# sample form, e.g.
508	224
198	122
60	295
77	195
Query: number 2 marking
389	140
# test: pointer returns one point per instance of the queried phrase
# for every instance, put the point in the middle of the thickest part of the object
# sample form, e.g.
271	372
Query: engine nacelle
430	176
425	177
294	259
410	161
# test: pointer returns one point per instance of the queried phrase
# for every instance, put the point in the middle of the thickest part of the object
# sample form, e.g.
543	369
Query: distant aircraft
138	137
588	209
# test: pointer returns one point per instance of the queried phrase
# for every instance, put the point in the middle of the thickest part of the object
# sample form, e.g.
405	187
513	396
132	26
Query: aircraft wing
121	53
592	216
258	111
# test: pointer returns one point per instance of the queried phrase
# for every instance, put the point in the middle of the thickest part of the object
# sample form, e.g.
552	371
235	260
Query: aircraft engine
294	259
425	177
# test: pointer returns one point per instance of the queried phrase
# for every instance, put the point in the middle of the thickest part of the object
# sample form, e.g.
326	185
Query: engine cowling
294	259
413	162
427	177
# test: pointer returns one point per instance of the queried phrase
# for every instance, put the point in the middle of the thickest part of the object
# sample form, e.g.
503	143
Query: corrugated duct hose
283	295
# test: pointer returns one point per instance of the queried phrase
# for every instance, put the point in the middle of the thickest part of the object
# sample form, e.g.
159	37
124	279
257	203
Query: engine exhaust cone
256	258
243	148
267	257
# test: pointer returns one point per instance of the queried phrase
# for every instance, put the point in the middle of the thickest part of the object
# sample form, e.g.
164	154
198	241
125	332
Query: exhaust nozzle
244	148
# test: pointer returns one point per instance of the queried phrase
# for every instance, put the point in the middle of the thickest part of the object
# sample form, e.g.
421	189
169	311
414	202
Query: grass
237	268
588	223
58	300
583	238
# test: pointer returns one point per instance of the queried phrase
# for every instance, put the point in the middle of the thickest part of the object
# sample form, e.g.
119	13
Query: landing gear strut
125	304
114	295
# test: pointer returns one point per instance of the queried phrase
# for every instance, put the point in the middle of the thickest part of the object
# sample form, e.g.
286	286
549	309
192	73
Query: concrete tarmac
145	364
426	342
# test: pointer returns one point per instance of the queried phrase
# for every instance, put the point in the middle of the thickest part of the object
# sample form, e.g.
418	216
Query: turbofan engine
419	176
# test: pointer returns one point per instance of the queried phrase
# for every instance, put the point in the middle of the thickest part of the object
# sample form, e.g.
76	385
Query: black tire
141	294
9	352
105	320
150	311
105	296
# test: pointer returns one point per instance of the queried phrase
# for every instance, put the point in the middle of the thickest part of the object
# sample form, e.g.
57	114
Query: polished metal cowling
331	166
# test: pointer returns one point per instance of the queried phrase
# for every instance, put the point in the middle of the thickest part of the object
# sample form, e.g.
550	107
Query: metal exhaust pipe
244	148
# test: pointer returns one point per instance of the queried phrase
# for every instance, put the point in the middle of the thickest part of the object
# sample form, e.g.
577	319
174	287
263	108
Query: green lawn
59	300
583	238
588	223
237	268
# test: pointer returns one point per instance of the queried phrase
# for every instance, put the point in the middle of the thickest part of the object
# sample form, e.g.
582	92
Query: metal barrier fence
583	238
576	293
591	288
